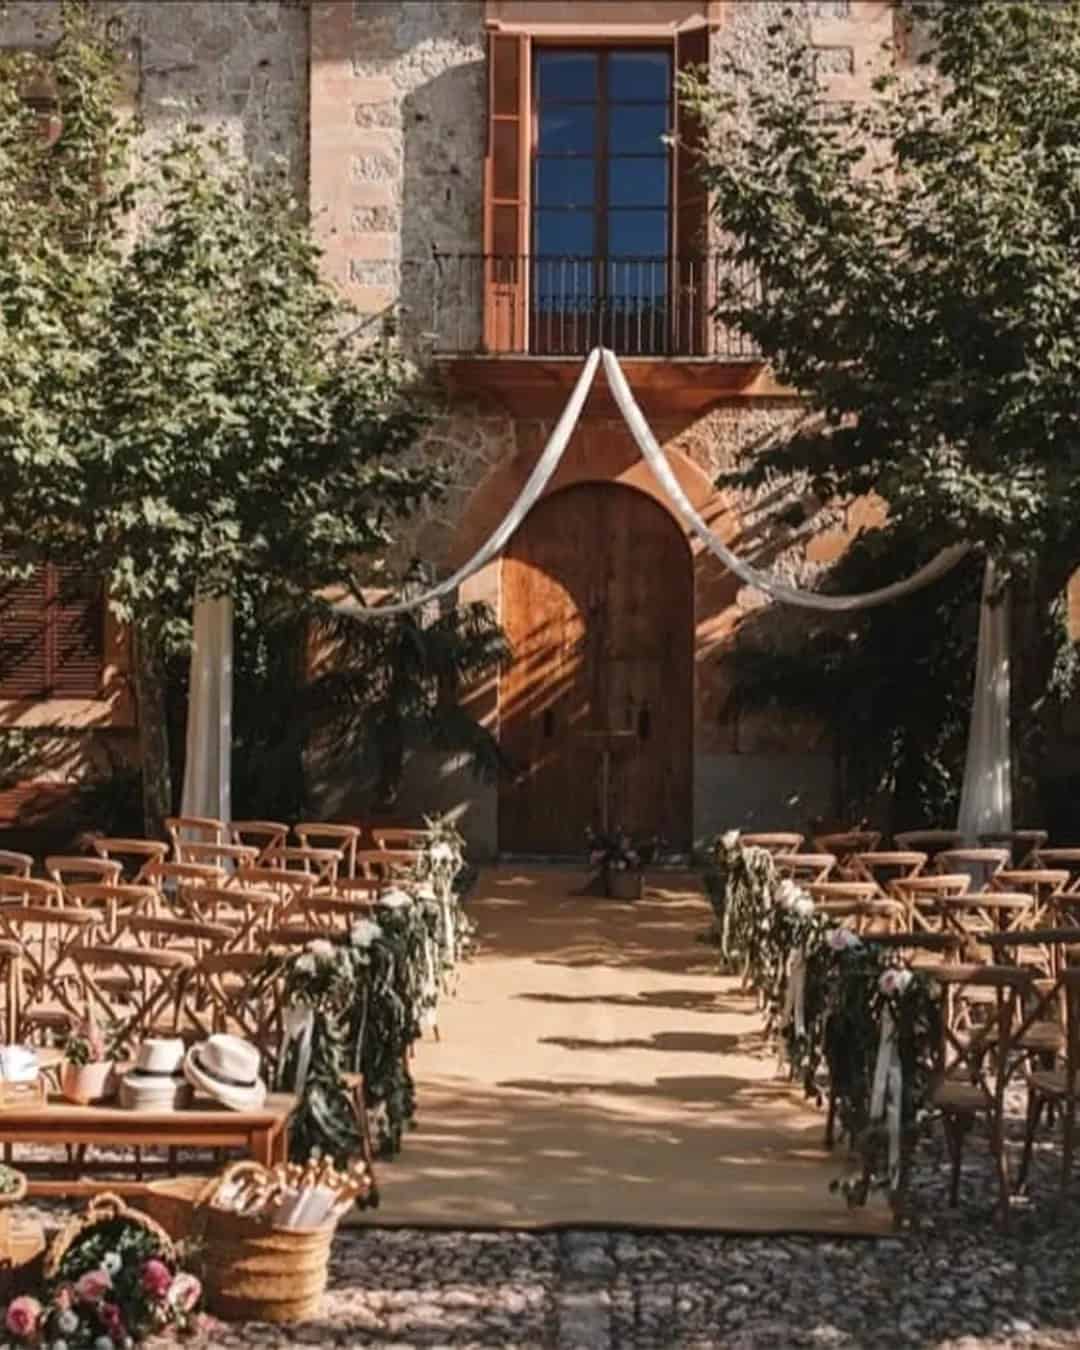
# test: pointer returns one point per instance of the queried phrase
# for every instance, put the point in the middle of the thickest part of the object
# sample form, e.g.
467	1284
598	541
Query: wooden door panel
597	599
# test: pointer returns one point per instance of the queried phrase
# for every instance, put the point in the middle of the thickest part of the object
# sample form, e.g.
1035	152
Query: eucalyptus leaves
856	1029
355	1003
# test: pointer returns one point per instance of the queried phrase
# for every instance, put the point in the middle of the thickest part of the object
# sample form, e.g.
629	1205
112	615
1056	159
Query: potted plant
88	1072
617	858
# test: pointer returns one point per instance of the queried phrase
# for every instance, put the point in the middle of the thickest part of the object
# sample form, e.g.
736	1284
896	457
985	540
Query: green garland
765	926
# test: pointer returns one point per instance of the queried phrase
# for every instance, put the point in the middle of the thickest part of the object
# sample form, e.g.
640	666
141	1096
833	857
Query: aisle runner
594	1069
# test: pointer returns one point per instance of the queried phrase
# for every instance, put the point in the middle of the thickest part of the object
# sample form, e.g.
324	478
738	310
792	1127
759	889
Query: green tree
918	282
186	407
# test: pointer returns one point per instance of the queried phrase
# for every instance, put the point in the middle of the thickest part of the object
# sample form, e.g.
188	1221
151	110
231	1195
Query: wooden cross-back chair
921	895
334	913
286	883
222	856
1022	844
980	864
67	870
1044	885
174	876
1050	1087
359	889
29	891
387	864
805	867
141	991
1065	859
930	842
319	834
242	998
866	917
207	829
263	834
974	1061
134	854
885	867
413	837
244	910
320	863
11	958
47	937
116	904
774	843
15	864
843	844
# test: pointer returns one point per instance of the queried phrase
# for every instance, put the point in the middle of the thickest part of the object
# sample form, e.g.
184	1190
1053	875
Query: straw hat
155	1081
227	1069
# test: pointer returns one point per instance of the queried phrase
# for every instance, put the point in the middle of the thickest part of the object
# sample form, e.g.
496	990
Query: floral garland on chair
857	1029
442	875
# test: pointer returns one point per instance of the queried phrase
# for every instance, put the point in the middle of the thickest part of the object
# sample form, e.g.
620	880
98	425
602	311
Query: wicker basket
101	1210
171	1203
253	1272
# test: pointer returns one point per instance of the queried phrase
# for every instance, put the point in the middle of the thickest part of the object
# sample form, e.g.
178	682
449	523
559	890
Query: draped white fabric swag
986	804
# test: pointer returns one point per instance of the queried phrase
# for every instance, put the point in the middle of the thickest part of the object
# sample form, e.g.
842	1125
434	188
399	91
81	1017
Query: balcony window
601	200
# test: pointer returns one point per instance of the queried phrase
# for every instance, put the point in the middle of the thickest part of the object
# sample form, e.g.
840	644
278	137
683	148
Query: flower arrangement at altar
116	1284
841	1007
618	857
442	877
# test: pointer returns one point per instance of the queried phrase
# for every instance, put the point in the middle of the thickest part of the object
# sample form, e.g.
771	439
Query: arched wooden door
597	599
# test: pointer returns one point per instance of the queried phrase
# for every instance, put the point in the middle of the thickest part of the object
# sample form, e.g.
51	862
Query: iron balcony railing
473	304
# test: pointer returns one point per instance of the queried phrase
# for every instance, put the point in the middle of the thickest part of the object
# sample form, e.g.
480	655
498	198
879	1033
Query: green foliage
393	686
185	405
917	258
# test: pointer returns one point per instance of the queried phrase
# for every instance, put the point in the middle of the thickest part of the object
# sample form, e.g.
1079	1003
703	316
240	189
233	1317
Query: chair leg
830	1120
954	1139
1068	1110
1035	1105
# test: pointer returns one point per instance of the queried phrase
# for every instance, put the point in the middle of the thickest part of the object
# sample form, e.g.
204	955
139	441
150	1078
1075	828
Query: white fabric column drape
208	761
986	796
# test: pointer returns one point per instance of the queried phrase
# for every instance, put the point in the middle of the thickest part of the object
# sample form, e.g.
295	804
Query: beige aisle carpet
594	1069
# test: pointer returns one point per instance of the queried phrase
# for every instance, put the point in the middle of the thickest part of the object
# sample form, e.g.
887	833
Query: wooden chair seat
774	843
815	867
953	1095
15	864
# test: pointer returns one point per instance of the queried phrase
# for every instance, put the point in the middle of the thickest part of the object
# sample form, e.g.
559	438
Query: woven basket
253	1272
101	1210
171	1203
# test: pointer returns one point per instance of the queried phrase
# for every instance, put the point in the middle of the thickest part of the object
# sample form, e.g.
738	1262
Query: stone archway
597	598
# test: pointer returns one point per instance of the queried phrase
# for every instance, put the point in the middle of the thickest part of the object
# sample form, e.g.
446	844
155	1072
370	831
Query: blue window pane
637	234
638	182
636	128
564	233
643	280
568	129
639	76
565	182
566	75
564	283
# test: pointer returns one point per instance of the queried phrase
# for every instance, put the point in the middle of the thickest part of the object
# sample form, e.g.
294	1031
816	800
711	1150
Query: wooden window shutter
52	637
506	193
692	264
77	634
24	666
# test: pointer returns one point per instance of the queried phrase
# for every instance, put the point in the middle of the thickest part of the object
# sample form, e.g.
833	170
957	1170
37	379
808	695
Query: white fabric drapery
986	801
986	796
208	757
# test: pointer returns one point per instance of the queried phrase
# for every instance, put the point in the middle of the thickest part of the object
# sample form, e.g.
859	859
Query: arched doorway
597	600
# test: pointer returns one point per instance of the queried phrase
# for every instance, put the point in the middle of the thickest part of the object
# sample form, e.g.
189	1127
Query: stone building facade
393	118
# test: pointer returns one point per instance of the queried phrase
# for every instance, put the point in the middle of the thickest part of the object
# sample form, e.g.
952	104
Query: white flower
104	1343
395	899
803	907
321	948
441	852
61	1345
113	1262
426	891
68	1321
895	981
306	964
729	839
843	940
364	932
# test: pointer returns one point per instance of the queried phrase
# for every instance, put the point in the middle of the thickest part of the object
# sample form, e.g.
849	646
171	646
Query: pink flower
185	1292
112	1319
64	1297
156	1278
22	1317
93	1285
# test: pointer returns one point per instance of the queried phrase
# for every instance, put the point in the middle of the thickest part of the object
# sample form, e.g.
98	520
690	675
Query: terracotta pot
624	884
87	1083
